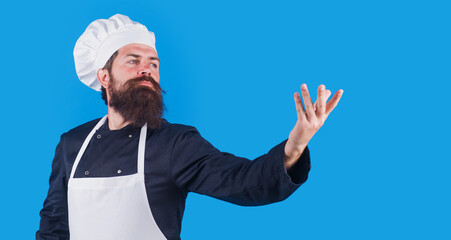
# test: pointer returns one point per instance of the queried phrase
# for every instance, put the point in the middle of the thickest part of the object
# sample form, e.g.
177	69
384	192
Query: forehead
137	49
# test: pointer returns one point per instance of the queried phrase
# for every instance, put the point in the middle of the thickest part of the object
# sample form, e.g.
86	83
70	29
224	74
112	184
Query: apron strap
85	145
141	149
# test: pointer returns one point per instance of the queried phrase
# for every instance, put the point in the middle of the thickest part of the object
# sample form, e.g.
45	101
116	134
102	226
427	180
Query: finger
307	101
299	108
321	101
328	93
333	101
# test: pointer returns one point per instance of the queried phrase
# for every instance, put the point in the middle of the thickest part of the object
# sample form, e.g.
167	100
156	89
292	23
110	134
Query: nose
145	72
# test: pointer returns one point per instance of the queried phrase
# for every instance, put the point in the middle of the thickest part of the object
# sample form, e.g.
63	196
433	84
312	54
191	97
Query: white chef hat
101	39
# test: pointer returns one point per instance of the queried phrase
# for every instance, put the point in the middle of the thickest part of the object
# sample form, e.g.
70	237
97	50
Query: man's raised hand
310	119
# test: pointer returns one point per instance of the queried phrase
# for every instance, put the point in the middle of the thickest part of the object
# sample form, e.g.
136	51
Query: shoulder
180	137
71	141
174	130
80	132
175	127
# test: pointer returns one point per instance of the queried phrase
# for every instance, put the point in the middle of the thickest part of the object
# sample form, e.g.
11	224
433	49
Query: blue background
380	164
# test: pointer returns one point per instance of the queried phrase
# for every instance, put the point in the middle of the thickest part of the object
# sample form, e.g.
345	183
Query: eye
154	65
133	61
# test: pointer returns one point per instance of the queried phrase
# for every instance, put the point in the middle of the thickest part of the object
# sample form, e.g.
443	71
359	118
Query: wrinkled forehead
137	49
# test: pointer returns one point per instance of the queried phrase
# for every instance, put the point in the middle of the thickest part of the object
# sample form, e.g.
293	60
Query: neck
115	120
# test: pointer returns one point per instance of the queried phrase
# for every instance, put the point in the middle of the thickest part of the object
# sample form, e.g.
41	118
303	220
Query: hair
108	66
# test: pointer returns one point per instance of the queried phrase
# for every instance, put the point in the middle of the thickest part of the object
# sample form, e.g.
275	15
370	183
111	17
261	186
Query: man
127	175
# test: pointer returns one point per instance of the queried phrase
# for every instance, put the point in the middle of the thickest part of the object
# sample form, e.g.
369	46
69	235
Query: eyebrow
139	56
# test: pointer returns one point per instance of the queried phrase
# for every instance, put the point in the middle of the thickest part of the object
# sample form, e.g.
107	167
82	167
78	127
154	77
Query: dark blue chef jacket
177	161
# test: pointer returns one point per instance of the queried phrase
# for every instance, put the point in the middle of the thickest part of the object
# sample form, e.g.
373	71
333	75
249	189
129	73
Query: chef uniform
132	183
111	207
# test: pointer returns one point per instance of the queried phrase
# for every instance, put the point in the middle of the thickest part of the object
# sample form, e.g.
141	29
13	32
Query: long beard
136	103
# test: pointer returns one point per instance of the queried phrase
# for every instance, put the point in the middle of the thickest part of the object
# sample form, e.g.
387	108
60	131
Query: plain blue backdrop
380	164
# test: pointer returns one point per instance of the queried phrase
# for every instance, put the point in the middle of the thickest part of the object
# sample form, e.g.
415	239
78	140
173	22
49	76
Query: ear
104	77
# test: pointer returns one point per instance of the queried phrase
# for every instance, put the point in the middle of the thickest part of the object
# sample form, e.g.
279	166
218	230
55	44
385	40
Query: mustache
135	81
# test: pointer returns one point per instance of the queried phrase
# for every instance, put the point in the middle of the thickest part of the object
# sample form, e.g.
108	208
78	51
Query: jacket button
86	172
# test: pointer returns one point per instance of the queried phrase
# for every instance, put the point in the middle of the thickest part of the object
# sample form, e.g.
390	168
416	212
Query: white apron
111	208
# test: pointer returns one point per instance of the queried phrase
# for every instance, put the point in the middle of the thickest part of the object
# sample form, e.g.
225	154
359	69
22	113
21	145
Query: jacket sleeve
54	216
199	167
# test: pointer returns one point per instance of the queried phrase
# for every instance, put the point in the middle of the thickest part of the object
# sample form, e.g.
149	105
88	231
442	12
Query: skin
310	120
135	60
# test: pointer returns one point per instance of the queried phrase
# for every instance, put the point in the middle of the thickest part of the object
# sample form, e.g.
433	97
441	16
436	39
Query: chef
127	175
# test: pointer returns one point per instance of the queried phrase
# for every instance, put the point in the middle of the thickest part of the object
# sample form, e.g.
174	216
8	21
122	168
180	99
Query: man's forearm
292	153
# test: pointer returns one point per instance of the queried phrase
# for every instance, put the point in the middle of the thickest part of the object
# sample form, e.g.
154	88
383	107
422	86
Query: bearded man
127	175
